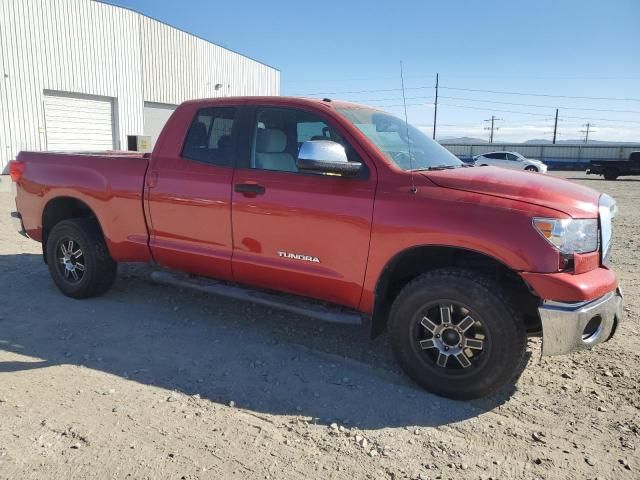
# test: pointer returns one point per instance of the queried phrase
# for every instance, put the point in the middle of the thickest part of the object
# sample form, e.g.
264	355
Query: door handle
249	189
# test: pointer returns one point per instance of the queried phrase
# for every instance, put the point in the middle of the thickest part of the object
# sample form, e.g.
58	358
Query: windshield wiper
436	167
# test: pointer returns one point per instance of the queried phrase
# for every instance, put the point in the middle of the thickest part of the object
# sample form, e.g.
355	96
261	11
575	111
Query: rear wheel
455	333
78	259
611	173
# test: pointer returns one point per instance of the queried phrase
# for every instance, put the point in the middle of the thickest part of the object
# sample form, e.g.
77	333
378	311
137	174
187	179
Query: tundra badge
299	256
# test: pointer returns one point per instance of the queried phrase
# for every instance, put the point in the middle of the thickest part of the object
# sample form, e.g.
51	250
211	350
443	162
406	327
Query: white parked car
509	160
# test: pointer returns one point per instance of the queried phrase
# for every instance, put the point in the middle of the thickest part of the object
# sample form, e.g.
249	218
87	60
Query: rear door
189	192
299	232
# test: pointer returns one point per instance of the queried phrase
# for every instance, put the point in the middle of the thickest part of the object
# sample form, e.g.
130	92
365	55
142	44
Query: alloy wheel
70	260
451	336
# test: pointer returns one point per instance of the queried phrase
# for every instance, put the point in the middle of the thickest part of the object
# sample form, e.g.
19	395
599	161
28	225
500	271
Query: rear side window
209	138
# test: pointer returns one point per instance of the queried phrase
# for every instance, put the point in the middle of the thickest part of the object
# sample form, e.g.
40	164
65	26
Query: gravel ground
154	382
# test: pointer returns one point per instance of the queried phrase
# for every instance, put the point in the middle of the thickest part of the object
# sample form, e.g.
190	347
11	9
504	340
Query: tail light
16	169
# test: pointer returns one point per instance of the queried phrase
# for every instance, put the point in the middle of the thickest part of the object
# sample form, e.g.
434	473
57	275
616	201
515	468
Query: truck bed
111	184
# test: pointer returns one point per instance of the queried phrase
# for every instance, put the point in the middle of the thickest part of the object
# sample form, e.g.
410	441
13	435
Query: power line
496	102
421	97
422	87
535	115
532	114
351	92
495	110
541	106
541	116
465	76
543	94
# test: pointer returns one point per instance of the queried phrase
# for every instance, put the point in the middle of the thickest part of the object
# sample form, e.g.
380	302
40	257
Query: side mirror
326	156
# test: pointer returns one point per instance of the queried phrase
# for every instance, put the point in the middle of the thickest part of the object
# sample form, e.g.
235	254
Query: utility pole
555	128
587	131
435	109
492	127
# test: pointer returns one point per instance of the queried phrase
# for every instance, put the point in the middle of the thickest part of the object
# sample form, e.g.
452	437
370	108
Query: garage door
78	122
155	116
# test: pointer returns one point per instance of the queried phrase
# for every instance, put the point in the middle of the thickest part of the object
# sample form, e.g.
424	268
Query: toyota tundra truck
344	213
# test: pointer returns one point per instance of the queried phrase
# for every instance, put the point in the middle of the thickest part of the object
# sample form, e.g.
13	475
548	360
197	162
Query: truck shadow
223	350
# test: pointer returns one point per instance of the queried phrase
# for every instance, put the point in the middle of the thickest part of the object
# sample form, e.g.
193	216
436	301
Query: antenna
406	123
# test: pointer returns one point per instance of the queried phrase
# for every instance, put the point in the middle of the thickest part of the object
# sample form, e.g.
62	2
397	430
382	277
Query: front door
302	233
513	161
189	194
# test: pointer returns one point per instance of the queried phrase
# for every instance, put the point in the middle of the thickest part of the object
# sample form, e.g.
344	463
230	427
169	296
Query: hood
544	190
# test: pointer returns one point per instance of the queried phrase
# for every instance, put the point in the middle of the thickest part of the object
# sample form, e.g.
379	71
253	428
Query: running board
288	303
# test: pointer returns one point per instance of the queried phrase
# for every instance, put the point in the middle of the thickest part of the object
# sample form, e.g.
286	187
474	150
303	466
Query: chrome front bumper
563	324
17	223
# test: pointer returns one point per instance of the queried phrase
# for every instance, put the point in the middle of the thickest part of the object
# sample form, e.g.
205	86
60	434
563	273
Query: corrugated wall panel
88	47
179	66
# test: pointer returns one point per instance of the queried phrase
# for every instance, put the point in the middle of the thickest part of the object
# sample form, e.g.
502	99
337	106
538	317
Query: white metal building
84	75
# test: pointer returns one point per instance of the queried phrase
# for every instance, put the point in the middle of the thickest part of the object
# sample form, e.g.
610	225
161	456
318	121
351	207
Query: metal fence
559	157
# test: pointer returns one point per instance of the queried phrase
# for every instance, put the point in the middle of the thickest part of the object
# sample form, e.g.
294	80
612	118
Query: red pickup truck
344	213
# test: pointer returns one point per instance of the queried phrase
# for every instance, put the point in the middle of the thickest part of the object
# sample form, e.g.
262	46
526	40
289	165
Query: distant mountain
465	140
536	141
578	142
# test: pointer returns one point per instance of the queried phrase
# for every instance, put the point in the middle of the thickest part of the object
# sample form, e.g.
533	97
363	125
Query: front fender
492	226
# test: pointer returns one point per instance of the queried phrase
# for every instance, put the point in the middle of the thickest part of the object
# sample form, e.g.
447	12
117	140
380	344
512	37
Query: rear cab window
210	136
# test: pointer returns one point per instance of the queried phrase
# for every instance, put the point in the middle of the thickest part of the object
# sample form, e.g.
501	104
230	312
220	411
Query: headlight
569	235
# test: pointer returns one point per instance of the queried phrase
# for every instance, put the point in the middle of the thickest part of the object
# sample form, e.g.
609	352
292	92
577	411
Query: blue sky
333	48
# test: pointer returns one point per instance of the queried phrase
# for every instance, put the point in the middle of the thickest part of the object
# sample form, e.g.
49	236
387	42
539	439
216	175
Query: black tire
98	268
611	173
498	363
531	168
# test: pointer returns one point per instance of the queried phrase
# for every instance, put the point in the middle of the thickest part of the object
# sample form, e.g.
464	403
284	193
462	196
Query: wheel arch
62	208
414	261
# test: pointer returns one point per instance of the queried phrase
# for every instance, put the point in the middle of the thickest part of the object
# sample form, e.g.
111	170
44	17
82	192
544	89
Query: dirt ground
154	382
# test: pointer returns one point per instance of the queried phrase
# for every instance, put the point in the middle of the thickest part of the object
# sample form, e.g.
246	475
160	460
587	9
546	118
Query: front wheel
455	333
611	174
531	168
78	259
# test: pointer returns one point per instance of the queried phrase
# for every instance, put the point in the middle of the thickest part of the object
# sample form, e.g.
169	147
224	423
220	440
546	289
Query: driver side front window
280	132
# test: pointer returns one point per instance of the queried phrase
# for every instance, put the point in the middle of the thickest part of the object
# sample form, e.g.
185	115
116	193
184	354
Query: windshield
389	134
